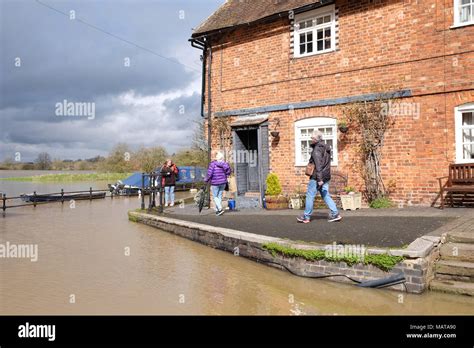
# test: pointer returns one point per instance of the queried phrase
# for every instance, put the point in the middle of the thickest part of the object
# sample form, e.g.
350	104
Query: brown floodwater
83	251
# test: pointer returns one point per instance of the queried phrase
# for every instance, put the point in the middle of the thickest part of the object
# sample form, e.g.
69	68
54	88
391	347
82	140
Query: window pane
310	47
464	2
309	37
302	49
302	38
466	13
320	45
468	152
319	34
468	135
319	20
327	44
468	119
327	19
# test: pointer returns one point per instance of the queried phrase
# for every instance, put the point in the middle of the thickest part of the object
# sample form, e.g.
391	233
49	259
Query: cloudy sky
47	56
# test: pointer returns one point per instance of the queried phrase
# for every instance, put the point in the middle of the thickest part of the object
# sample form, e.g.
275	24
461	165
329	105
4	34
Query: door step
453	287
456	278
252	194
243	202
461	237
458	268
457	251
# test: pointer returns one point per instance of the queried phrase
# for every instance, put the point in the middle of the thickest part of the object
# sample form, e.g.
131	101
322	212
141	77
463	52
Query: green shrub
348	189
379	203
273	185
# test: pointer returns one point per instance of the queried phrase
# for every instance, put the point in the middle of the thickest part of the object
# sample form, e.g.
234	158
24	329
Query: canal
92	260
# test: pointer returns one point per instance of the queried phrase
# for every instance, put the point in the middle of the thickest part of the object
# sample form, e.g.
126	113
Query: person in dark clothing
319	180
217	175
169	174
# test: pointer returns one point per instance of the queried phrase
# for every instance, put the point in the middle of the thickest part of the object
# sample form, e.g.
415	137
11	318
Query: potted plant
351	200
296	200
273	198
342	125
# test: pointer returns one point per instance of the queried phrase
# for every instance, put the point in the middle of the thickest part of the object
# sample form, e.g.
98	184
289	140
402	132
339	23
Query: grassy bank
384	262
67	177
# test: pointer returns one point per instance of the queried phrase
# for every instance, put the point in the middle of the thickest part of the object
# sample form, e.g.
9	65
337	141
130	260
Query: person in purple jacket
217	174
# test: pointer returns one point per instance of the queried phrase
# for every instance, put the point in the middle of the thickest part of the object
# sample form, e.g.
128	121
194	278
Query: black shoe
220	212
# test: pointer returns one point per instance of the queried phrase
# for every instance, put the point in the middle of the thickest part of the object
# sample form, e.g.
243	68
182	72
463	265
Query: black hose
378	283
315	276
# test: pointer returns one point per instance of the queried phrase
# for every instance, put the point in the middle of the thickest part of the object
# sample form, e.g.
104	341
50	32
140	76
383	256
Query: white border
457	21
458	133
328	10
315	122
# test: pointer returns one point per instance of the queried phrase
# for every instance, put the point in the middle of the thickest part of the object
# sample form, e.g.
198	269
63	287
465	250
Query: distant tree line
122	159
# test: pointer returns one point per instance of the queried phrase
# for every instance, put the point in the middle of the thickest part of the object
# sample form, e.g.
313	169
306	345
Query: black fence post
4	205
154	189
150	193
143	192
62	195
160	190
90	193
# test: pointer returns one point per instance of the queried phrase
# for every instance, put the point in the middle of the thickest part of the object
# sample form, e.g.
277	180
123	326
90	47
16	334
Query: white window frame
457	15
459	131
320	12
315	122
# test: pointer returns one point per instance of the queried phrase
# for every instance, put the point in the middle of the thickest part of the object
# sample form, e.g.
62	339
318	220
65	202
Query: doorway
246	158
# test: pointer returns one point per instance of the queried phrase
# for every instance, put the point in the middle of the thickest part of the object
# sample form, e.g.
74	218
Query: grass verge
384	262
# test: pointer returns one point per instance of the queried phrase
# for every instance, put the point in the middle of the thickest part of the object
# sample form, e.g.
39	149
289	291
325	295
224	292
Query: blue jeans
169	194
311	195
217	191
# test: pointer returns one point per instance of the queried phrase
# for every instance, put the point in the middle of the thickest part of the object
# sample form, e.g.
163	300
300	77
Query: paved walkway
369	227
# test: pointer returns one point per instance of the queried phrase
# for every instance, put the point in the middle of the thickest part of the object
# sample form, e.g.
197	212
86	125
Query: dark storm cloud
64	59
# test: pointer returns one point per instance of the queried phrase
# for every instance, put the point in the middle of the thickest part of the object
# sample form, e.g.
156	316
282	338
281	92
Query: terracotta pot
276	202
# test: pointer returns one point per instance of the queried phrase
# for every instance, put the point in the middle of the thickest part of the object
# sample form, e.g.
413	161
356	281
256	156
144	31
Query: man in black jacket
319	181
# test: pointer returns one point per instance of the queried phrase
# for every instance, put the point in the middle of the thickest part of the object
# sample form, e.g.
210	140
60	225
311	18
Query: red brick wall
391	44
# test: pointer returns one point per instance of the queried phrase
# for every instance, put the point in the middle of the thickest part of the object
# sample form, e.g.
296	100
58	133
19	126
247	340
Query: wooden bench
459	185
336	186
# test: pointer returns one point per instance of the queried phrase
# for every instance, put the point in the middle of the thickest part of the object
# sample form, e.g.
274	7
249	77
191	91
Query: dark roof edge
266	19
402	93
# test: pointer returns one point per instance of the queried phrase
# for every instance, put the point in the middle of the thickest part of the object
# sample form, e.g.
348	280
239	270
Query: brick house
288	66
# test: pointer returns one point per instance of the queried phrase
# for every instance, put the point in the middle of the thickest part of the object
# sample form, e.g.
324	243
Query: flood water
82	251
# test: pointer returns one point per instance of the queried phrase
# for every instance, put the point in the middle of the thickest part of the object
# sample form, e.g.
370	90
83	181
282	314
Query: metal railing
155	190
36	200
